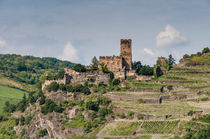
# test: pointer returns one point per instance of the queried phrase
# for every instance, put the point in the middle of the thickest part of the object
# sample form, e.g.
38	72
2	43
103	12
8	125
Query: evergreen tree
94	64
171	61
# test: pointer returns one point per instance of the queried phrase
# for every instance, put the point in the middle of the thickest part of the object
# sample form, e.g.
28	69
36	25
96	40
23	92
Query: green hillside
10	94
24	71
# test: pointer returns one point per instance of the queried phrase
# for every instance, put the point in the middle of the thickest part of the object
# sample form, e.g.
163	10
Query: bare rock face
41	122
73	112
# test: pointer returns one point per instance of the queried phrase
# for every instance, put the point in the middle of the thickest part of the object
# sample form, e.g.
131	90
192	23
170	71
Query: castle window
113	63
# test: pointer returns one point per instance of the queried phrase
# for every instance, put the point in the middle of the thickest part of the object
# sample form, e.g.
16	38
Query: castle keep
122	63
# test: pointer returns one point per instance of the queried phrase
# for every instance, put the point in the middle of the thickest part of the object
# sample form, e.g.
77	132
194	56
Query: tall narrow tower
126	53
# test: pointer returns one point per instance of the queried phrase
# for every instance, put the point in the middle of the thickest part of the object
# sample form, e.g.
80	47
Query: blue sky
77	30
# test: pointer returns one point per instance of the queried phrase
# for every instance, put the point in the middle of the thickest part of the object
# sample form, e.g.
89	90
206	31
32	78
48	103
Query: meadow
10	94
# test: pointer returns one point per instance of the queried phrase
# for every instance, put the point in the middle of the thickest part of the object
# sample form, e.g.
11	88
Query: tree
136	66
186	56
94	64
171	61
146	70
79	68
157	71
60	74
205	50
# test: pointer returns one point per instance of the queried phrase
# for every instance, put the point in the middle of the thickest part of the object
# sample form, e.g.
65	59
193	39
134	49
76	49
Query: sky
78	30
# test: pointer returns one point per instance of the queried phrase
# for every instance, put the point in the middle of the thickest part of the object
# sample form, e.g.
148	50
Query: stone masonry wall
73	77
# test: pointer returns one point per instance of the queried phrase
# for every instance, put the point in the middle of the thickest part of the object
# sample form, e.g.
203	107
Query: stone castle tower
120	63
126	54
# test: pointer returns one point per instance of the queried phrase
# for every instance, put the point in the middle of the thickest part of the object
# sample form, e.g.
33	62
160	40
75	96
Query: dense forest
28	69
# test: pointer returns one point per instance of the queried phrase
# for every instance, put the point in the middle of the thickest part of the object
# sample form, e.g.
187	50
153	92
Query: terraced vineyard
165	103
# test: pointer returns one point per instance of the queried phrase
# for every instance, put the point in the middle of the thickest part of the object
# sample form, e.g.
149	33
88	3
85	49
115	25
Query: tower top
124	41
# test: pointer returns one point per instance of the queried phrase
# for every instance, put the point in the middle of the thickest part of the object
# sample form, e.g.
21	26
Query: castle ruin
122	63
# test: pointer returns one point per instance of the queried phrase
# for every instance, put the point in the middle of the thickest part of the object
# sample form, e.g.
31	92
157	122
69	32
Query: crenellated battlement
125	41
109	57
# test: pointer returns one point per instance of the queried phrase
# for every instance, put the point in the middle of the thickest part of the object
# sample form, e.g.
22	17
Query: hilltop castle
122	64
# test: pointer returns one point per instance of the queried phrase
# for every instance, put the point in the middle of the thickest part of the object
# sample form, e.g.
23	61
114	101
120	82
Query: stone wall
73	77
113	63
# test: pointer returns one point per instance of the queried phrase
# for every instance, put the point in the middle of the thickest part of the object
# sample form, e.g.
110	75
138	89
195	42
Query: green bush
170	87
62	87
104	101
190	113
204	118
116	82
43	132
92	105
22	120
121	115
140	101
130	114
146	70
54	86
140	117
51	106
204	99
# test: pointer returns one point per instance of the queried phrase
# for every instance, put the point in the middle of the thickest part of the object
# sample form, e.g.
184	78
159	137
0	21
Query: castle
122	63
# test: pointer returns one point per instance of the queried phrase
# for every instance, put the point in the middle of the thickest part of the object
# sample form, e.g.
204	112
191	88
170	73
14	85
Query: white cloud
170	37
70	53
3	43
148	51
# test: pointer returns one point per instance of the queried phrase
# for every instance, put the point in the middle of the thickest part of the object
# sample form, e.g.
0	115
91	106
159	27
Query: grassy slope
9	94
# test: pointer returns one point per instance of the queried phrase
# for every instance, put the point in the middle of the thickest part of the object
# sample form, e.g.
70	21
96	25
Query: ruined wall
73	77
114	63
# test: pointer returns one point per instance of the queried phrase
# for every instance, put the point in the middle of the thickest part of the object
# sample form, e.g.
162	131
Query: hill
21	71
174	105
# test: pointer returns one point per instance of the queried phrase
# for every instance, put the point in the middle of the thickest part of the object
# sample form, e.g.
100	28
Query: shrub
62	87
43	132
121	115
140	117
86	90
51	106
54	86
190	113
42	100
28	119
116	82
104	101
92	105
102	112
58	109
170	87
130	114
22	133
22	120
204	99
140	101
